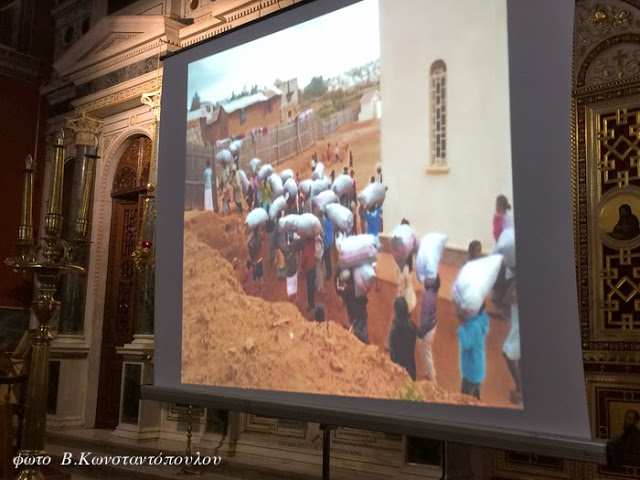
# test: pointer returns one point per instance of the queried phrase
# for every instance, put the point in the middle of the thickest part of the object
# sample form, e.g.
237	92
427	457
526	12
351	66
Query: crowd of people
304	250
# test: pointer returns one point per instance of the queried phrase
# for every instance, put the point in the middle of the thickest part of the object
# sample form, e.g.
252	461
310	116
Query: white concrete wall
471	37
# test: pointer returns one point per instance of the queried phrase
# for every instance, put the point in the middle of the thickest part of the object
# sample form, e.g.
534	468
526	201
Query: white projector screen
454	104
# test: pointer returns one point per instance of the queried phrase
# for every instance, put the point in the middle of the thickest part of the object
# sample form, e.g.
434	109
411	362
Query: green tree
195	103
316	88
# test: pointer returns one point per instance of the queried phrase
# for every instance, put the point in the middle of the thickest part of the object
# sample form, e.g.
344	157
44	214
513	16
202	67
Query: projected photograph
348	222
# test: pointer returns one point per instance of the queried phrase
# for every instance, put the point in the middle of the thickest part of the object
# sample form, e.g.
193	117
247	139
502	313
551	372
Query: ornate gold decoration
47	260
274	426
595	22
621	61
85	127
605	163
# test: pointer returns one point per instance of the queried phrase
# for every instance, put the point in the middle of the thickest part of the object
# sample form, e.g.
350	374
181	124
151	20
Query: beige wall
459	202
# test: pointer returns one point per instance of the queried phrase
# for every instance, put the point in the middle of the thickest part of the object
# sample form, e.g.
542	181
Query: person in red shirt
308	267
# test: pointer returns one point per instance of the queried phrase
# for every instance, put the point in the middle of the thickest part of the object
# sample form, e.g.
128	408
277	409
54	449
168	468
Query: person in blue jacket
472	334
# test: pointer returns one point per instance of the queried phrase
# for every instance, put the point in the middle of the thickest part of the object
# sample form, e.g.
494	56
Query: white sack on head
255	164
276	185
319	186
325	198
429	254
308	225
257	217
343	184
289	223
363	279
224	157
372	194
474	282
235	146
305	187
318	172
291	187
357	250
341	217
244	181
506	246
265	171
276	207
286	175
403	243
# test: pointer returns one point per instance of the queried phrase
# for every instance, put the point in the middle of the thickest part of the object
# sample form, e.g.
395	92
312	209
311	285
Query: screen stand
187	470
326	450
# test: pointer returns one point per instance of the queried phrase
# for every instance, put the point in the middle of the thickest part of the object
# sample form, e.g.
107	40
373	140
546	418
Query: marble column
146	254
73	287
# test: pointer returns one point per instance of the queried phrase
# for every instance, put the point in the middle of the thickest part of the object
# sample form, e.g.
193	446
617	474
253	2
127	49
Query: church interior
80	87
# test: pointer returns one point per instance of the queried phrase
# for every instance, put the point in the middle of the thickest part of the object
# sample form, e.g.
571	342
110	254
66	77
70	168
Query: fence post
278	143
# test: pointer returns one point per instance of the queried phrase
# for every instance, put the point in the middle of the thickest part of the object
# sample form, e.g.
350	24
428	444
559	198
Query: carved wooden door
119	314
121	297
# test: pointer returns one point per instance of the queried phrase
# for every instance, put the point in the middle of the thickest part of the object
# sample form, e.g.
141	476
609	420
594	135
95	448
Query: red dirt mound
234	340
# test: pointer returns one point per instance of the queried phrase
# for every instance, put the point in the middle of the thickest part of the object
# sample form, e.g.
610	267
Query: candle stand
46	259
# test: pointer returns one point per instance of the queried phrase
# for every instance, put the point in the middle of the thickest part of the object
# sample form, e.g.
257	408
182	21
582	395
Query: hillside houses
240	116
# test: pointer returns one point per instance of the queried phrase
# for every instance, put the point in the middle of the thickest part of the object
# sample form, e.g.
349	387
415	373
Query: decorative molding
366	438
117	77
85	127
627	38
274	427
519	466
114	39
121	96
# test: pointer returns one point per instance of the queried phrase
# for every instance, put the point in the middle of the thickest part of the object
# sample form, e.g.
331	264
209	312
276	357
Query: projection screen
340	188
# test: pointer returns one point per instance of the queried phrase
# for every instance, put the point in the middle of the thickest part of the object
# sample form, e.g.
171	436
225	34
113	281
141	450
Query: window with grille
438	114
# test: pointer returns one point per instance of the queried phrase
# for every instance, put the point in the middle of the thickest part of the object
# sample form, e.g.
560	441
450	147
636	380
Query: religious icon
628	226
618	218
626	439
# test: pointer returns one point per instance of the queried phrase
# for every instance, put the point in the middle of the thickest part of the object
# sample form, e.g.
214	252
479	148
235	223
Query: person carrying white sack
208	187
511	349
471	287
427	261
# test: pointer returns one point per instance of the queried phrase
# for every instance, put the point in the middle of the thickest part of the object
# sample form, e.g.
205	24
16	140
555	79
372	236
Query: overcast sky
328	46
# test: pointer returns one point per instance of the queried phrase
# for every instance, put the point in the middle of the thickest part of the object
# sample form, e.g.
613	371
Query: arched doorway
127	195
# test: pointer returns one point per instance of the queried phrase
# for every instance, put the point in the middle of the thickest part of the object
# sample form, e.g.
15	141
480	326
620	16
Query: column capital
85	127
152	100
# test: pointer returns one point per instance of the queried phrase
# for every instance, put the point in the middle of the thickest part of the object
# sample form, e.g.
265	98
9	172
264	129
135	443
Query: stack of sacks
403	244
244	181
289	223
372	194
342	185
286	175
320	185
258	217
305	187
235	146
506	246
318	172
255	164
224	157
324	198
276	207
308	226
265	171
341	217
291	187
429	254
359	252
474	282
277	188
